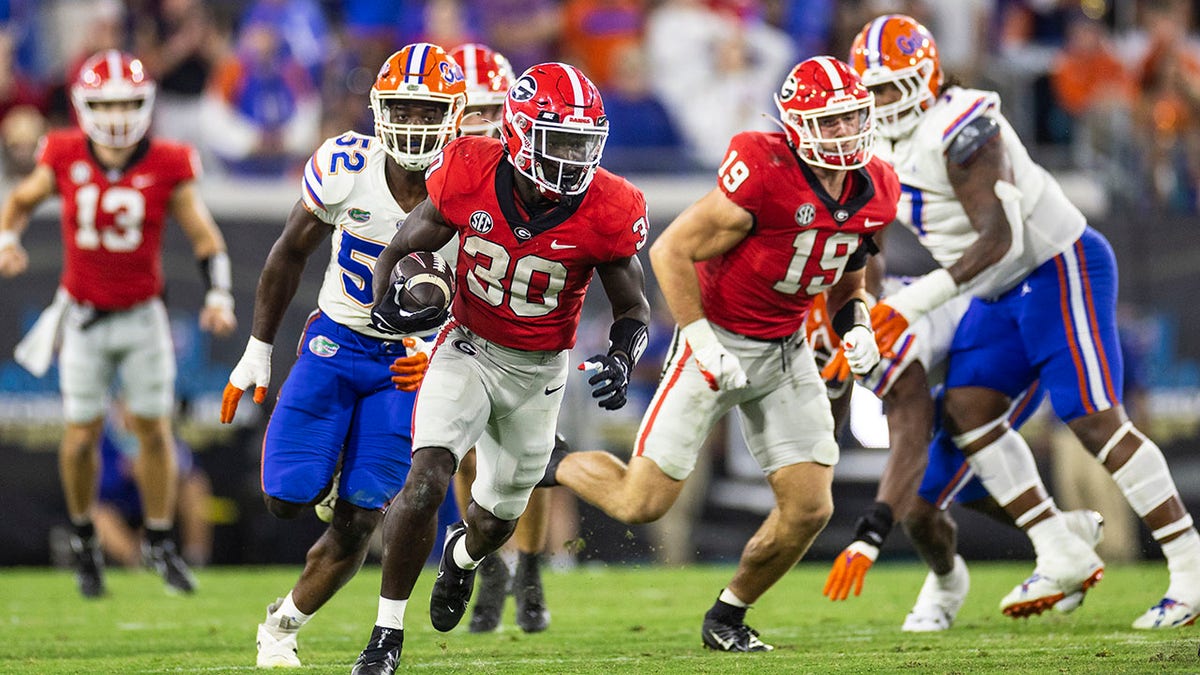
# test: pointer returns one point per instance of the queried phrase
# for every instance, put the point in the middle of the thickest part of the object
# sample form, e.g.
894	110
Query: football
429	281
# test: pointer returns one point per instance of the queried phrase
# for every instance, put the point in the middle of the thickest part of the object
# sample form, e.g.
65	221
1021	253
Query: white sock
1183	561
461	557
1049	535
729	598
391	613
947	581
287	618
160	524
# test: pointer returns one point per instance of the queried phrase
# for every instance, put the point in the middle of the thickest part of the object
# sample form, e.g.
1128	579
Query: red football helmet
554	128
826	112
114	99
419	75
489	75
896	50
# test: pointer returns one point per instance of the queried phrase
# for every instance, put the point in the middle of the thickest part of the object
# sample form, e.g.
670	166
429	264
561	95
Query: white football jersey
929	207
344	185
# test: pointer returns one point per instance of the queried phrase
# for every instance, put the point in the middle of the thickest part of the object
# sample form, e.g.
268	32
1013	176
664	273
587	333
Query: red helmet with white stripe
896	50
419	75
488	75
555	128
114	99
826	112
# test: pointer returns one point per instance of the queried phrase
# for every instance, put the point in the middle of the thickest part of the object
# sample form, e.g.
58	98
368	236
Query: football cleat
276	652
532	615
453	586
731	637
89	566
1167	613
382	654
324	508
494	581
939	600
165	559
561	449
1088	525
1041	591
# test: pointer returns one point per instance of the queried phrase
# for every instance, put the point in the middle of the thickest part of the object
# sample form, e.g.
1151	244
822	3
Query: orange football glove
837	370
888	325
254	368
849	570
408	371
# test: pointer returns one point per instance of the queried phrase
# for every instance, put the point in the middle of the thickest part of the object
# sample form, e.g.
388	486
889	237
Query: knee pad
1005	466
1145	478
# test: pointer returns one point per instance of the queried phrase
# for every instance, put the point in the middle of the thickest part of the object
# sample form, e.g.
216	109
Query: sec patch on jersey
428	281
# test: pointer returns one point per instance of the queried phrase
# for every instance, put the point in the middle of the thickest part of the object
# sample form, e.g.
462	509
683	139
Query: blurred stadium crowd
1111	86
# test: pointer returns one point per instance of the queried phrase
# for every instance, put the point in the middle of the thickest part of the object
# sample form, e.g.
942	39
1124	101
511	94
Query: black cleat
731	637
494	579
532	615
165	560
453	586
382	654
89	566
561	449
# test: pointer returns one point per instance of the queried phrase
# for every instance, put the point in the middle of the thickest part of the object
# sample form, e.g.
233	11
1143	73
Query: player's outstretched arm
624	282
208	245
14	217
706	229
277	284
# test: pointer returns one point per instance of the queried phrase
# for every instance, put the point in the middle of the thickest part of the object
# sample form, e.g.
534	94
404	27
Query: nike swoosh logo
868	223
559	247
726	643
551	391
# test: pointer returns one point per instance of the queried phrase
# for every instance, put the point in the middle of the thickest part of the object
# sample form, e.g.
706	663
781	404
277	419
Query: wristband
629	337
699	334
923	295
874	525
216	272
9	238
218	298
848	317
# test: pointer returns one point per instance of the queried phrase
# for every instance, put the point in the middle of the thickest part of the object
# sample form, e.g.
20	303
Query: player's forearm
14	218
676	273
276	287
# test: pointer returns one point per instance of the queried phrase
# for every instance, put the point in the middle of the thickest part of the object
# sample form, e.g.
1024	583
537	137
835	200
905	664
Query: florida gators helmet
826	112
420	77
555	128
896	50
114	99
488	75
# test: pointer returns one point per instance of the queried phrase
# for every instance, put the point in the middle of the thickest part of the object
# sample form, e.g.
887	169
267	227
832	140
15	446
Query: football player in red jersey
489	75
792	215
117	186
535	217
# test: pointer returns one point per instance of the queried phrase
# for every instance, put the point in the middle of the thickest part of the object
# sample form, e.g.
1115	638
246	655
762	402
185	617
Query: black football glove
610	380
387	316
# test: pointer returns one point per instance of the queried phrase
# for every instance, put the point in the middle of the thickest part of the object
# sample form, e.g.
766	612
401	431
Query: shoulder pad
327	179
970	138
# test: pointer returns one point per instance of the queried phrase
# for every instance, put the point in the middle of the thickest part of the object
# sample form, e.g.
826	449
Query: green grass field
625	619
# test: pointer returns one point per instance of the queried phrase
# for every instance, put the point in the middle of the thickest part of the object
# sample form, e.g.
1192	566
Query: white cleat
939	600
1167	613
324	508
1044	589
276	652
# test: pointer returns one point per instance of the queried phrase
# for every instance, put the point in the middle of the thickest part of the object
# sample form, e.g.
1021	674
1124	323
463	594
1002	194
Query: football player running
921	478
340	404
1045	288
535	217
118	186
792	215
489	75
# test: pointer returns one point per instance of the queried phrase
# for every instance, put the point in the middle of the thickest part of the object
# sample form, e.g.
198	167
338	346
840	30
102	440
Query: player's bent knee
354	525
281	509
493	528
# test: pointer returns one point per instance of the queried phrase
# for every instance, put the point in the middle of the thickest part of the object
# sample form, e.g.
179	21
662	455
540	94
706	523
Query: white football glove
861	351
254	368
722	370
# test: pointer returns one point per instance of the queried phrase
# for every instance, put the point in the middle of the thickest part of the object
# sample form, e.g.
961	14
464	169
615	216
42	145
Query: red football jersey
521	281
802	237
113	221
